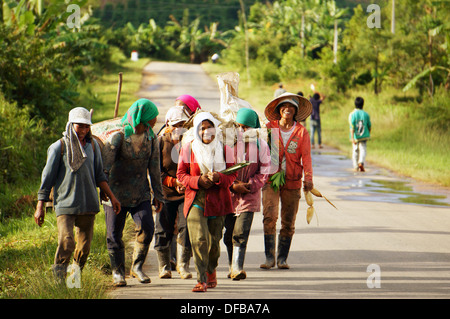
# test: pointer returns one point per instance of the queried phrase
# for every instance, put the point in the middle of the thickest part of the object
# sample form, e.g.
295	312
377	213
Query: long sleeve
260	177
183	172
154	170
306	156
50	171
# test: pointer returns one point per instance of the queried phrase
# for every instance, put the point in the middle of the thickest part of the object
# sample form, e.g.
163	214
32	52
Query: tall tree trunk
302	35
335	43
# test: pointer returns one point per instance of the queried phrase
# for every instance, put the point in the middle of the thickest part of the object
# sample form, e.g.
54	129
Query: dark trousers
237	229
144	225
171	214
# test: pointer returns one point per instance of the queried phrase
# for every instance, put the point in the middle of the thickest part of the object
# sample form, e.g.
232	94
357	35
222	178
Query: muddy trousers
171	214
359	152
237	231
143	220
80	244
205	234
289	206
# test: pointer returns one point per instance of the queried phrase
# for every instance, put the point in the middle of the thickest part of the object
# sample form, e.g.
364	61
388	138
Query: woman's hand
158	205
213	176
205	182
241	187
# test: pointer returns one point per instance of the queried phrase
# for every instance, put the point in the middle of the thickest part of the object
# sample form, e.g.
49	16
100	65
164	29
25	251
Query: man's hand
39	214
308	186
158	205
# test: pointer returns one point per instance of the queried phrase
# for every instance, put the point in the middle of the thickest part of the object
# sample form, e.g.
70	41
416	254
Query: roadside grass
406	137
27	251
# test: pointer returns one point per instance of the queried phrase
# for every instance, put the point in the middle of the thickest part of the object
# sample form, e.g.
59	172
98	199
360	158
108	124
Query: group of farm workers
195	183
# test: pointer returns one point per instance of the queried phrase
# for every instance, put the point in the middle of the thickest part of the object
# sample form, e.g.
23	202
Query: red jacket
297	153
218	197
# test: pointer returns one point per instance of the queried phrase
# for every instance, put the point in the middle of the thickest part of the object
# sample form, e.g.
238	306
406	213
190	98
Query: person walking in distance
360	128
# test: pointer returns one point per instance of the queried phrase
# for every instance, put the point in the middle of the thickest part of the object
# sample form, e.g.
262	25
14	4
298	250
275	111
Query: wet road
389	238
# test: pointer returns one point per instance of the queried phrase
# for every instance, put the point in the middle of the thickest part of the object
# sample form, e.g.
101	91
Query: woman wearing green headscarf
129	156
246	189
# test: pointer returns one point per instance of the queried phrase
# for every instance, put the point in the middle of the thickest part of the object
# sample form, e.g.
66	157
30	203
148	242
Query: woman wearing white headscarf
74	170
207	196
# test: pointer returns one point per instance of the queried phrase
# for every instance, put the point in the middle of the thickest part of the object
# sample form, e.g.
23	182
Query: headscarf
190	102
76	155
248	117
142	111
210	156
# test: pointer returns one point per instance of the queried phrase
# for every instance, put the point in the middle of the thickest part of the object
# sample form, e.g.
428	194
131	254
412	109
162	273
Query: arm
49	175
258	180
223	180
104	187
155	175
307	162
183	172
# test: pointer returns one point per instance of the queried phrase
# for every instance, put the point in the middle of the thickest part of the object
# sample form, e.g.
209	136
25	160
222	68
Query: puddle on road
372	186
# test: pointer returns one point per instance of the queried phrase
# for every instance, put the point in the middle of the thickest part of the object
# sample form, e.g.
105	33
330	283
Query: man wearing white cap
74	170
173	191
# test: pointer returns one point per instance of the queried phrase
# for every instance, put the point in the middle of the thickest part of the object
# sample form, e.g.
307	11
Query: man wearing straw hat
291	154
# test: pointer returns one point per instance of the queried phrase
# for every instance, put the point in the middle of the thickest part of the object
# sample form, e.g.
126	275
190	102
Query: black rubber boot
165	268
238	272
117	258
284	244
139	255
269	250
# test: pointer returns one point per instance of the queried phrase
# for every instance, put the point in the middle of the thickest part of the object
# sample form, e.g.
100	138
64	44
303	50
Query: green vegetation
47	68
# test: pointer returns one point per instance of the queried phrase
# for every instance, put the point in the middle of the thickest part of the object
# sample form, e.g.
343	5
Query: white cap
175	115
80	115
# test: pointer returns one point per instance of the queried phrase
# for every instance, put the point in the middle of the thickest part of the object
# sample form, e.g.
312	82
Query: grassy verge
405	138
27	251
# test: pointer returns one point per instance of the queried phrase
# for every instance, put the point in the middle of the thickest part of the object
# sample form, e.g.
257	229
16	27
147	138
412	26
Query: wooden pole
119	89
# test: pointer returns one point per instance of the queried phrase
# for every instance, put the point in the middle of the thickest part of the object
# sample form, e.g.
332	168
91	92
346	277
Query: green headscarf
248	117
142	111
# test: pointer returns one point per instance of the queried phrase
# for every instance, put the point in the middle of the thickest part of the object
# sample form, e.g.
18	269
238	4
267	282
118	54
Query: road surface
384	241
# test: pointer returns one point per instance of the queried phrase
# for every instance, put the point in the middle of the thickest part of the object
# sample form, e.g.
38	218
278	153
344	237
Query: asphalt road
389	237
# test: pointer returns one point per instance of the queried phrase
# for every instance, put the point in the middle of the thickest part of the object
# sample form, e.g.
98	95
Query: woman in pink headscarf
189	104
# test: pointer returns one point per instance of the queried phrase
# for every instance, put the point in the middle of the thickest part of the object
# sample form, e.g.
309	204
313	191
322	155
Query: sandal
199	287
212	279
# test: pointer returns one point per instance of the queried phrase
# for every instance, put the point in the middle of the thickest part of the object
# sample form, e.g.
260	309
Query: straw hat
304	107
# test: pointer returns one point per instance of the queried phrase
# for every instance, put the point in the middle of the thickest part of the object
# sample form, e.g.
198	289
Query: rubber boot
59	273
284	244
230	259
117	259
269	250
139	255
183	256
164	263
238	272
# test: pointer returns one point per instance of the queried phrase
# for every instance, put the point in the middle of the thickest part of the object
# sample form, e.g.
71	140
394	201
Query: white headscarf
76	155
210	156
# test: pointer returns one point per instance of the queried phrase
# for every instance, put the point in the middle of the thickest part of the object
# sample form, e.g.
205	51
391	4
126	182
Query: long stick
119	89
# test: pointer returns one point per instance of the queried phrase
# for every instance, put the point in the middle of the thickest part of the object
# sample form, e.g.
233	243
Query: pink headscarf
191	102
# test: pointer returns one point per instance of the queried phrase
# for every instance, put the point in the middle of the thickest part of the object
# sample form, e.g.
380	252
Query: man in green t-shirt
360	128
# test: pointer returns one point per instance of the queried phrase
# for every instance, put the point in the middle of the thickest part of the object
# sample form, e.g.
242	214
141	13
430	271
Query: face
82	130
186	109
243	127
177	130
152	123
207	132
287	111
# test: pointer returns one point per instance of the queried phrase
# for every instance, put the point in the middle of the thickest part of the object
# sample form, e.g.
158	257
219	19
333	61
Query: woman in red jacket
294	153
207	196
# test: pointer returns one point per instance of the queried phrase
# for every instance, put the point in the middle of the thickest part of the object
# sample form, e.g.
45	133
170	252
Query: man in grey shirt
74	170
